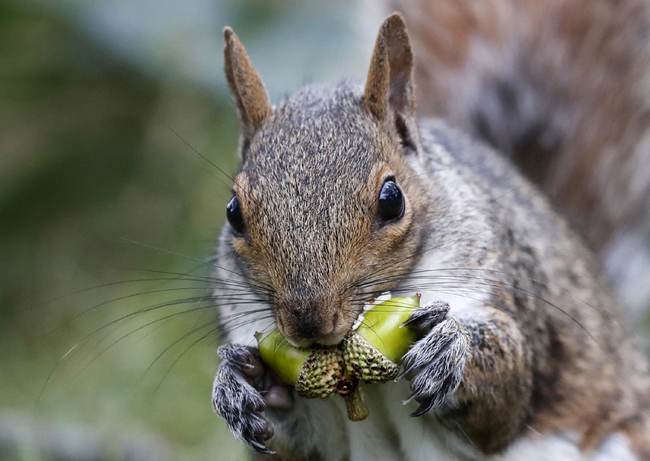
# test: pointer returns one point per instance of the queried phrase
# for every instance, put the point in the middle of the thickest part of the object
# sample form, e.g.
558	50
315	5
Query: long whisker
436	277
202	156
210	162
173	253
178	340
132	332
233	327
435	247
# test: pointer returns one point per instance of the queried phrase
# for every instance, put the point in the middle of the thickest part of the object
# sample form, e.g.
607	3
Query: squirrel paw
437	361
237	395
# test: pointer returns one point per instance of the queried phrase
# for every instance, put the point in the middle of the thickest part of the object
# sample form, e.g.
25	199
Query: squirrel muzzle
305	321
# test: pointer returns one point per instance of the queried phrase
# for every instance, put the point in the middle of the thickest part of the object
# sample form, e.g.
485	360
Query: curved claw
260	447
424	407
424	318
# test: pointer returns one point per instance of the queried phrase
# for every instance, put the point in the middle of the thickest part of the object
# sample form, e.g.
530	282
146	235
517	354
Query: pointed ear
246	86
389	88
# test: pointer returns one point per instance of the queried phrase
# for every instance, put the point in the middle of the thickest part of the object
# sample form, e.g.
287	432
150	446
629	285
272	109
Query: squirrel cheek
241	246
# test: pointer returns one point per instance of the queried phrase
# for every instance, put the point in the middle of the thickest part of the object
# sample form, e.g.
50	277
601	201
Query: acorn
320	374
375	348
370	353
314	372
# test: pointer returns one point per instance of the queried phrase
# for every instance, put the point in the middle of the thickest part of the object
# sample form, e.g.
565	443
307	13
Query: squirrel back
561	87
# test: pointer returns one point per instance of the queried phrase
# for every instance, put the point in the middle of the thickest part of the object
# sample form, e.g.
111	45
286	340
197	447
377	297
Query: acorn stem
357	408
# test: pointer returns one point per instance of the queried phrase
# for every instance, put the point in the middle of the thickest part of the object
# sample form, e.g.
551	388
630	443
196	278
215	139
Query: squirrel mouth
334	339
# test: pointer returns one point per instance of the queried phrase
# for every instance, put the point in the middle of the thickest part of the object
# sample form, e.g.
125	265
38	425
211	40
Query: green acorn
371	354
313	372
283	358
379	343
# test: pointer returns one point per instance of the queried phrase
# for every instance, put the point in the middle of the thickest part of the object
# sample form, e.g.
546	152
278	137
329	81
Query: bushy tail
561	86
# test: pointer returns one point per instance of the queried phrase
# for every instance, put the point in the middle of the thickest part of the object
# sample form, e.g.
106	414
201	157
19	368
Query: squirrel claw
260	447
425	406
426	317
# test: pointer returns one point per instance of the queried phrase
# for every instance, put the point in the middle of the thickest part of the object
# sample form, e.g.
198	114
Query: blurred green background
106	209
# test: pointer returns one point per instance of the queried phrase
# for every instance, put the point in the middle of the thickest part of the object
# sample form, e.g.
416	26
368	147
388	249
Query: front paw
437	361
237	398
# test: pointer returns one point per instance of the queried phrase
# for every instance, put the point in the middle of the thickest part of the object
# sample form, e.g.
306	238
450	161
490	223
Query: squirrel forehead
318	155
314	134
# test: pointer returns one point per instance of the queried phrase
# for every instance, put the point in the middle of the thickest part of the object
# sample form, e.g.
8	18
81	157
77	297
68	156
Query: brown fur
497	384
246	86
558	361
585	63
355	245
586	59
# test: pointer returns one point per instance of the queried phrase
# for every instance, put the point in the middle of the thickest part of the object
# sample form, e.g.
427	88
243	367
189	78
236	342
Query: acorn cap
365	362
321	373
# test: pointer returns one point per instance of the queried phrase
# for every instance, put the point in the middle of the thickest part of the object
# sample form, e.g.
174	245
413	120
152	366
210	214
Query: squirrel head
326	212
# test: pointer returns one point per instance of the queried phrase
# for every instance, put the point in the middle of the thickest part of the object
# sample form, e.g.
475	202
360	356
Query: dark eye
235	218
391	201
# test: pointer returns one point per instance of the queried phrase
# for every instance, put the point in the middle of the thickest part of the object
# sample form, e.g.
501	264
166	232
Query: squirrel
343	194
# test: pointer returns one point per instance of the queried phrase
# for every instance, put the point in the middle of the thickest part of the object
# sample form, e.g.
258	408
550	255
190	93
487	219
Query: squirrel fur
560	87
530	358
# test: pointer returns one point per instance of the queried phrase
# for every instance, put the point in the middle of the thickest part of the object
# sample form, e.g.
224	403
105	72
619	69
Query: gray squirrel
344	194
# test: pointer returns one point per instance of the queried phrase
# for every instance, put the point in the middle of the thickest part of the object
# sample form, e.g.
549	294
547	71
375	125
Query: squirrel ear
389	85
253	102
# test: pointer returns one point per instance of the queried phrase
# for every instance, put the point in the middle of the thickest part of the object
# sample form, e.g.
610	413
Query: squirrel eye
235	218
391	201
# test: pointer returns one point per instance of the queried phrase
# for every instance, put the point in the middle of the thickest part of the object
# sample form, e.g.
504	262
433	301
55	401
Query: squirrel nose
306	325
